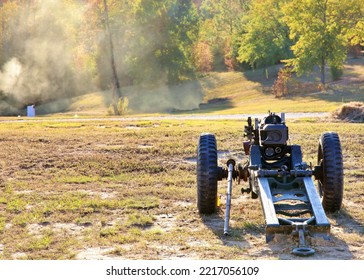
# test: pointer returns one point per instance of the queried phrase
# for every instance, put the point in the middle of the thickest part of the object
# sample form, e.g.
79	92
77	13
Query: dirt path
228	117
164	117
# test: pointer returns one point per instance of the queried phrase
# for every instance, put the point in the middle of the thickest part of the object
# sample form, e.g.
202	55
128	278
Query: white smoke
10	75
41	54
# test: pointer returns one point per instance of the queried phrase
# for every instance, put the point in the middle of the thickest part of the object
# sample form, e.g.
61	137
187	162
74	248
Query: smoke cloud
10	75
41	50
46	59
186	96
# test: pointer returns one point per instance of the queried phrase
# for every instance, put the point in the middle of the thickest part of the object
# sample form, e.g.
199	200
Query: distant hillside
224	93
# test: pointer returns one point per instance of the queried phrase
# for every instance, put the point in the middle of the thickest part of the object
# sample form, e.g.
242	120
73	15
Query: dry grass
351	112
127	190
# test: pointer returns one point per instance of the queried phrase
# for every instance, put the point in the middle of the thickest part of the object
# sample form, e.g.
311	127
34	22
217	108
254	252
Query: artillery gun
275	173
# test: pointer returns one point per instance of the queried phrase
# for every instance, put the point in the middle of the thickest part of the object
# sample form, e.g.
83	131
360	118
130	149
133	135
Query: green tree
120	28
166	32
320	30
354	23
221	28
182	27
266	38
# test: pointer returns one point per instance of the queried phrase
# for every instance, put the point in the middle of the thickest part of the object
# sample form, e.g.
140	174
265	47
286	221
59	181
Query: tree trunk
323	76
115	81
323	58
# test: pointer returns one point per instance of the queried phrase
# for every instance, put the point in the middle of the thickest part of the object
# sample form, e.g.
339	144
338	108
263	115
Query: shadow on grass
216	104
327	246
348	88
347	222
335	96
265	77
236	239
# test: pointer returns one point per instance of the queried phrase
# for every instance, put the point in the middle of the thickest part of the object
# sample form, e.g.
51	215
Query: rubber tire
207	174
331	183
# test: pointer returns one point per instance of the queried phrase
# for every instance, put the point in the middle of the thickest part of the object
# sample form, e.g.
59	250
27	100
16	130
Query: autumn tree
221	28
8	11
110	38
202	57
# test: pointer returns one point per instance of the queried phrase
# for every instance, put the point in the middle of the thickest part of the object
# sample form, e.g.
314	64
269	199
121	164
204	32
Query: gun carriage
276	174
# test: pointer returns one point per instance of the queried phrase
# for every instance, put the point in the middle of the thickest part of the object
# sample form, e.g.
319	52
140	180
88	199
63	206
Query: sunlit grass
250	92
135	190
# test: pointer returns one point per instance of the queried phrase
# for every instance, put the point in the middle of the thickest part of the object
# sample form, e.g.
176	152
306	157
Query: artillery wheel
207	174
330	181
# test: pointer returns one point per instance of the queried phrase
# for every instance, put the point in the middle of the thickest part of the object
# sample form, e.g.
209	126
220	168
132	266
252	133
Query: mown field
111	189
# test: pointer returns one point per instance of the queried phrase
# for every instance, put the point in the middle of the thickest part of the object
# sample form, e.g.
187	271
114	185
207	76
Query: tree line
67	47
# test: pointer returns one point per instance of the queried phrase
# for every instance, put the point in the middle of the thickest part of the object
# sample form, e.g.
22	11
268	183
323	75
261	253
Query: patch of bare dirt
165	222
97	253
19	256
252	245
70	228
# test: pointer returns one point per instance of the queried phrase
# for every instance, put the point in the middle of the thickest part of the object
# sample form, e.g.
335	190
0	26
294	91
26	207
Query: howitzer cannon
276	174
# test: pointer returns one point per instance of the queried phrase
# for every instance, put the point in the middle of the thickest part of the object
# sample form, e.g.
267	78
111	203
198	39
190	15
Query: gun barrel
228	198
283	117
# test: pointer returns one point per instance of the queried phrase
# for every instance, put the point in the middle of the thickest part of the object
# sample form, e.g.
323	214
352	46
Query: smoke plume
54	50
41	65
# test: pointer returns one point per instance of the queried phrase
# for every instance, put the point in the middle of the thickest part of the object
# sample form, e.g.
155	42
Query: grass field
126	189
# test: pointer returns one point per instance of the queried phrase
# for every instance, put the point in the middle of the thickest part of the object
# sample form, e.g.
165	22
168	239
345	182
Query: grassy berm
247	92
109	189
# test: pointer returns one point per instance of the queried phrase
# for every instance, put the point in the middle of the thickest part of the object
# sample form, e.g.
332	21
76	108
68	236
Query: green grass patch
139	220
16	205
77	179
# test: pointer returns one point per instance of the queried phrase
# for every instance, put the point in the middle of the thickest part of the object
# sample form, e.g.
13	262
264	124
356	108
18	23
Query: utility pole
115	85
